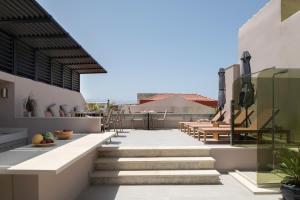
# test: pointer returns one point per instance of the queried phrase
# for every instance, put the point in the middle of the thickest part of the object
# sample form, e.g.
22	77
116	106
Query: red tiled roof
191	97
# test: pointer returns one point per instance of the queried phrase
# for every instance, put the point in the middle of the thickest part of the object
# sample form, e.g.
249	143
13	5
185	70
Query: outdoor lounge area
228	187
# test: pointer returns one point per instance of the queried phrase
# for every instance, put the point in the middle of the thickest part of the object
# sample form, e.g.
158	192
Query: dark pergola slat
86	63
57	48
41	32
55	36
25	20
68	57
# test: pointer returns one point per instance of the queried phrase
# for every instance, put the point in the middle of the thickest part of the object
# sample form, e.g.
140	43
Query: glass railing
274	123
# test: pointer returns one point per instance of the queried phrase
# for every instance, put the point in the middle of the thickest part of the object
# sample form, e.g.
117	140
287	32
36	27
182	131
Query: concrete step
166	151
252	187
156	177
154	163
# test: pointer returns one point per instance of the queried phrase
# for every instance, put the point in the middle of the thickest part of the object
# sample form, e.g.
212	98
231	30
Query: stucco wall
66	185
231	74
44	94
261	37
69	183
18	90
270	41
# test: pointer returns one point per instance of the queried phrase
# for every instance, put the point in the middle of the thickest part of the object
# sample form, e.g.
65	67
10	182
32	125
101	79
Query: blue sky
154	45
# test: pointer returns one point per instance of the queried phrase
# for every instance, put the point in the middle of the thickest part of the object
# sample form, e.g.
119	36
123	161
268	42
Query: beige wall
69	183
229	159
232	73
66	185
261	37
44	94
18	90
270	41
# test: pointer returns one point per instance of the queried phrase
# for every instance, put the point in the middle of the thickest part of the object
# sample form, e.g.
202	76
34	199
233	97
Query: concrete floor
172	137
228	189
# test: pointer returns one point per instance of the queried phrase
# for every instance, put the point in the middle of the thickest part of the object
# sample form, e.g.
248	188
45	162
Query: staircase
157	165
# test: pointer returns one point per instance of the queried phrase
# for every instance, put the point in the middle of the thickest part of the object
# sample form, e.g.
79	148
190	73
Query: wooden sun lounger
193	129
217	131
183	126
239	120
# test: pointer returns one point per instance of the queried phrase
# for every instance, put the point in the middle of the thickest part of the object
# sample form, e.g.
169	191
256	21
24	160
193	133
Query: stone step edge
153	159
252	187
136	173
153	148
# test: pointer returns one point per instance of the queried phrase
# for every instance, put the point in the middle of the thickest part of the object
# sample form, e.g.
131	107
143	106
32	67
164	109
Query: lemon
37	138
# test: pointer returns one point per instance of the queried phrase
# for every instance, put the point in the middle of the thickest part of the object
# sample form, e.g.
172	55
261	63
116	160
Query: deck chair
136	119
240	118
106	125
119	120
219	116
161	119
254	129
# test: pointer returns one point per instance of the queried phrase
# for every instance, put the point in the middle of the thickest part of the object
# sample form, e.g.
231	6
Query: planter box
290	192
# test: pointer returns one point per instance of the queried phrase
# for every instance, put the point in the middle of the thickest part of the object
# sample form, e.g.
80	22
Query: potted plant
289	171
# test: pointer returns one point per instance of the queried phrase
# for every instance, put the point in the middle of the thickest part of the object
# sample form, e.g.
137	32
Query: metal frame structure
35	46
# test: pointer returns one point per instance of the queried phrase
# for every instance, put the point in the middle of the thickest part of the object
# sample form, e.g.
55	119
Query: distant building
149	97
176	103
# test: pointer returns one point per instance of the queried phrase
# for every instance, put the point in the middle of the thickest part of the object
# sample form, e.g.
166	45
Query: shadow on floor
99	192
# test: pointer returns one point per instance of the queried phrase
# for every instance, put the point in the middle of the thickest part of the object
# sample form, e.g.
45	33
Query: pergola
35	46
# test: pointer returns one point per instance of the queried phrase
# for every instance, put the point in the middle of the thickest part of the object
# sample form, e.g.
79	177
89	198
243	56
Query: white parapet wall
20	88
44	94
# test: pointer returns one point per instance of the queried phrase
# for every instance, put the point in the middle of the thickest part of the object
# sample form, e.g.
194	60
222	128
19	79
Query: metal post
247	116
273	121
273	114
231	121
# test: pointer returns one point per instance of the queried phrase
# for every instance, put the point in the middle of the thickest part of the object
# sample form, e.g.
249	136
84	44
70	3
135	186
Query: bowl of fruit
43	140
64	134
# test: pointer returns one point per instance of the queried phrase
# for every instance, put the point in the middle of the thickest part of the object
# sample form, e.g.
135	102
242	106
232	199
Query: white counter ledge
56	160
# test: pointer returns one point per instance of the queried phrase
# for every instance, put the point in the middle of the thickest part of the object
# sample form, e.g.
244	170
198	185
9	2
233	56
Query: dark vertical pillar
63	76
72	82
78	82
35	65
51	70
14	46
232	122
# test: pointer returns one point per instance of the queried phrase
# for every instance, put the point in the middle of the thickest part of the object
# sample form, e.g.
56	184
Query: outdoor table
148	112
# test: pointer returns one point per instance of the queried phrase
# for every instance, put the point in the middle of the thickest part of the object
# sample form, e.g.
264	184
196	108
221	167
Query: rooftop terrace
229	188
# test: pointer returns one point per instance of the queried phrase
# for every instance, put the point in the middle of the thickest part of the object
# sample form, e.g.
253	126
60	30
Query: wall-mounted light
4	93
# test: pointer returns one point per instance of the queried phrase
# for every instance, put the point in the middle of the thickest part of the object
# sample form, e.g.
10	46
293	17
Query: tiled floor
228	189
172	137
